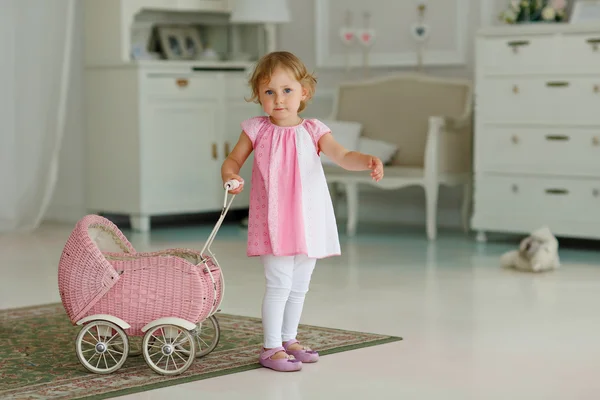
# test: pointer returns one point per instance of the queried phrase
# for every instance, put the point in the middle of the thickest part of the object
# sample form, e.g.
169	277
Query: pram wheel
168	349
207	335
102	347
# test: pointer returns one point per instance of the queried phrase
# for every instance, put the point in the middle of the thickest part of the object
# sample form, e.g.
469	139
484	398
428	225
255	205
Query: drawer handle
596	88
514	139
595	42
182	82
596	141
226	149
515	188
515	44
557	84
557	137
557	191
214	151
515	89
595	192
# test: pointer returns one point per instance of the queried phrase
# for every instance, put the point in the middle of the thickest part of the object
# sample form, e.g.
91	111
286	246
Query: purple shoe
288	364
305	355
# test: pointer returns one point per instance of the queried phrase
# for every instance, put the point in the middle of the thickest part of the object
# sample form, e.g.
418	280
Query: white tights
288	279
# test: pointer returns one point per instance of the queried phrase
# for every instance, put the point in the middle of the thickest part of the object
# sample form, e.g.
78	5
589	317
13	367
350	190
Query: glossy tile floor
471	330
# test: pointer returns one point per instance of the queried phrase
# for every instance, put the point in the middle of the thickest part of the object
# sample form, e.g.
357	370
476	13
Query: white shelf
540	29
109	23
173	64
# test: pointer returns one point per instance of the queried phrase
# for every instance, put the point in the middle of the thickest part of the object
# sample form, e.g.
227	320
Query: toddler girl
291	222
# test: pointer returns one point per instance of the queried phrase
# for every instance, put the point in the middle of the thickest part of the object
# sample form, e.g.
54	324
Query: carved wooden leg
140	223
481	237
466	206
335	195
352	203
431	198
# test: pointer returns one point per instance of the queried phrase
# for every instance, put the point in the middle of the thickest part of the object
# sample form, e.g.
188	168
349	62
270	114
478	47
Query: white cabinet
158	131
237	110
157	138
108	24
180	156
537	130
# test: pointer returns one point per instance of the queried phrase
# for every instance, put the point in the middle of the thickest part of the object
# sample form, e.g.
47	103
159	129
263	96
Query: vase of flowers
527	11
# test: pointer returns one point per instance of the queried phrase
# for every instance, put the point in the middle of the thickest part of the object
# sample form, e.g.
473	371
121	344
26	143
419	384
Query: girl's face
281	97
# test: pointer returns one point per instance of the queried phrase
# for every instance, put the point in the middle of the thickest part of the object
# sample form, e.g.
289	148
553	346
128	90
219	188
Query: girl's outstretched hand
376	167
238	178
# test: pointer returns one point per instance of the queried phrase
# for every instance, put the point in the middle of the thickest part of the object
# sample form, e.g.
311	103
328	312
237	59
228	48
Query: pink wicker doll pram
167	297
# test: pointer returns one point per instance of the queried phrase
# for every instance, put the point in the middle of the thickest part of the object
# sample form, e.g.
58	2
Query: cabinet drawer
548	150
517	53
517	99
581	53
575	100
547	199
557	99
207	85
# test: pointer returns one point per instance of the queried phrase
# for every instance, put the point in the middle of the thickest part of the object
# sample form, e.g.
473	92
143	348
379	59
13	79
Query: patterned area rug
38	359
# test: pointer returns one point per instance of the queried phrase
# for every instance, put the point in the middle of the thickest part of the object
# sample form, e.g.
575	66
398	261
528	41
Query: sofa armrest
457	125
448	145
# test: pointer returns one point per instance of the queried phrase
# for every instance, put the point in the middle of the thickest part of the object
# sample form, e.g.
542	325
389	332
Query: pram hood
84	274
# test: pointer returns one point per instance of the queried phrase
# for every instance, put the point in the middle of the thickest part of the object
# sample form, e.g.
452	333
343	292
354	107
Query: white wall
405	206
68	203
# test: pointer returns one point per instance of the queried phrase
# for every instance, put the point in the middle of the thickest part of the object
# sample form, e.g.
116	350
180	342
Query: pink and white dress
290	207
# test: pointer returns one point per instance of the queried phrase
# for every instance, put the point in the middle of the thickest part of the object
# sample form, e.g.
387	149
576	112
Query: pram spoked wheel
102	347
206	335
168	349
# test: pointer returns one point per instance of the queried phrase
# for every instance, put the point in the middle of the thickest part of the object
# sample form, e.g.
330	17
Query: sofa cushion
345	133
385	151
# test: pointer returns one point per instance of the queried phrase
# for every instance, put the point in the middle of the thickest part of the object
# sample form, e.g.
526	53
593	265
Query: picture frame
171	40
585	11
192	43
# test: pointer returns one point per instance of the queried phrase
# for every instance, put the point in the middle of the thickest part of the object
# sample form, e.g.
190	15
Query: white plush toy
537	252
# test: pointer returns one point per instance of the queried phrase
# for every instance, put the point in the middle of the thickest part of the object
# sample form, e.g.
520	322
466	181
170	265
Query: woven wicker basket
101	273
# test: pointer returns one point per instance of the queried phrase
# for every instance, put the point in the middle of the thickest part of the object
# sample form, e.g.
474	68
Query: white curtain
36	50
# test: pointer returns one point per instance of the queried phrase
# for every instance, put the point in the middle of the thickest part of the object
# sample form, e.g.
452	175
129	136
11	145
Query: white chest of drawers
537	130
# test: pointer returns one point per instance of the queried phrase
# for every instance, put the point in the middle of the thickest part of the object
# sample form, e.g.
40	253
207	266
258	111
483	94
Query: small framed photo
585	11
192	43
172	42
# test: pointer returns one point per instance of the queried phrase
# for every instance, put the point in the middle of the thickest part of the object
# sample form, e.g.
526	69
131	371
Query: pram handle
232	184
229	185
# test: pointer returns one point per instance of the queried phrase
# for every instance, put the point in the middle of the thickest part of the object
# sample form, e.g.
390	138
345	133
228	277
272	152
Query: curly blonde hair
284	59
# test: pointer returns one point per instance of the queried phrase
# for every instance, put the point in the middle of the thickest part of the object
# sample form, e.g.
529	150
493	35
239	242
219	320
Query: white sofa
428	118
